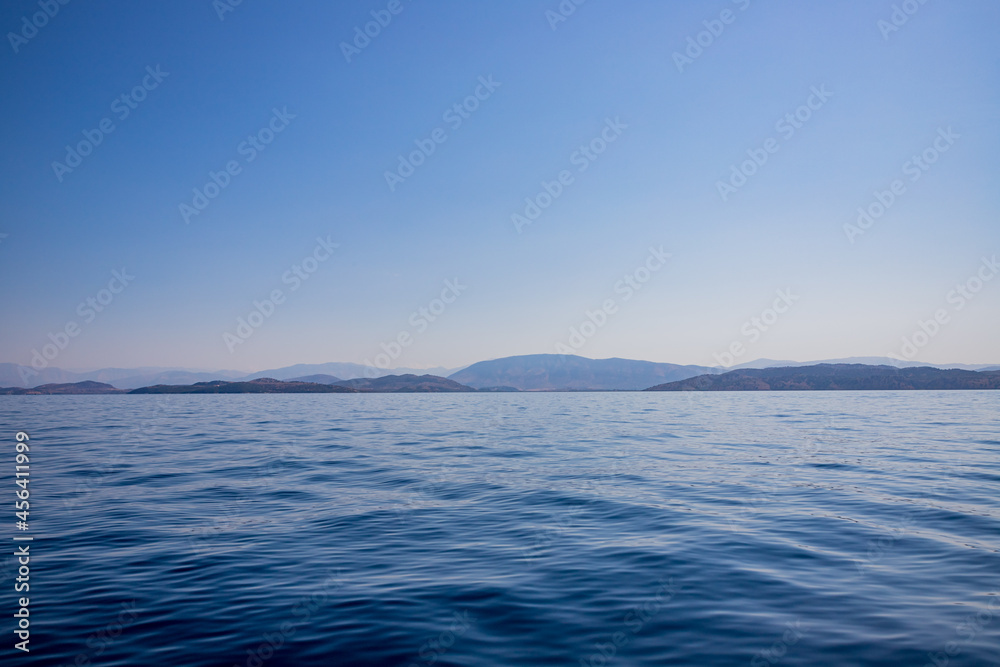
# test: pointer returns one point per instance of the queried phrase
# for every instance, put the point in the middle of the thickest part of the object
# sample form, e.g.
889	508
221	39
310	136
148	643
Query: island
85	387
258	386
387	384
836	377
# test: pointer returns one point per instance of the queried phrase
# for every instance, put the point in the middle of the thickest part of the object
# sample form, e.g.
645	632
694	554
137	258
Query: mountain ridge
819	377
85	387
558	372
406	383
14	375
837	377
256	386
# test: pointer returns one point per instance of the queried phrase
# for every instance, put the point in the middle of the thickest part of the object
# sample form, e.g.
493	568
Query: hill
836	377
347	371
388	384
86	387
867	361
553	372
259	386
408	383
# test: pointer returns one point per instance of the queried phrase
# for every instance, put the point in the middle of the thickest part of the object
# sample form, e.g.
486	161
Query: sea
592	528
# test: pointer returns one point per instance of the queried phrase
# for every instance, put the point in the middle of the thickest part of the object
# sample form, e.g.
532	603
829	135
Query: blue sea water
710	529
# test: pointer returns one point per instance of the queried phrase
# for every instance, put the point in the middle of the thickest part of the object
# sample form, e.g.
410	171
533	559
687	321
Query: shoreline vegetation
818	377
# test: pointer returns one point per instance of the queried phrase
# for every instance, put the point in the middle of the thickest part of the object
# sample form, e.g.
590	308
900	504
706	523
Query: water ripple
814	528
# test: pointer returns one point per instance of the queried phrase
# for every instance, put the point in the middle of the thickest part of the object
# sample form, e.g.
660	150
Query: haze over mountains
536	372
15	375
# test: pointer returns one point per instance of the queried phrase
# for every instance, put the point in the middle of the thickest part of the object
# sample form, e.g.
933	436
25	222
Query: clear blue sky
656	184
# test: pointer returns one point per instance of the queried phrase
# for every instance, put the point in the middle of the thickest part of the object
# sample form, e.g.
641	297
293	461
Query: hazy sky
629	122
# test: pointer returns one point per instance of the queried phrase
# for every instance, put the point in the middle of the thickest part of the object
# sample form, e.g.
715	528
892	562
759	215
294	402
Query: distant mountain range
15	375
870	361
389	384
405	384
834	377
536	372
85	387
346	371
820	377
552	372
258	386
